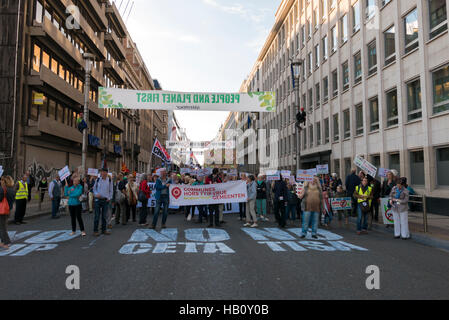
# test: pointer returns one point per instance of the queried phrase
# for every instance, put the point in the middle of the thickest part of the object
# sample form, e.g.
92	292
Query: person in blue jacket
74	193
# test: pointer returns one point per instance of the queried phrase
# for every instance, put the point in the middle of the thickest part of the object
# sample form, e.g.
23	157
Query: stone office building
374	82
42	87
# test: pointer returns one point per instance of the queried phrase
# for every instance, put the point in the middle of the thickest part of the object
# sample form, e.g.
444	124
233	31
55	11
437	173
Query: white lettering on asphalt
143	235
212	235
34	247
264	234
14	236
73	280
53	237
170	247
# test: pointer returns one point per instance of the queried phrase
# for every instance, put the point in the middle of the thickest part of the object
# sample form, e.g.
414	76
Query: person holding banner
364	195
399	198
312	206
162	197
214	211
202	209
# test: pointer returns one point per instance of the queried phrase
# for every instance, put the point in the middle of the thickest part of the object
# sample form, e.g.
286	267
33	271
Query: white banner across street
185	101
187	195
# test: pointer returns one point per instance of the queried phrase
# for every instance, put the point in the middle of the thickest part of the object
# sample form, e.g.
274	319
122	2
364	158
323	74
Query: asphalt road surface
189	261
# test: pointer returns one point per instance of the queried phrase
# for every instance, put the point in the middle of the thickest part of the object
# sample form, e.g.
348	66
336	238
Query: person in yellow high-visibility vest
21	200
364	195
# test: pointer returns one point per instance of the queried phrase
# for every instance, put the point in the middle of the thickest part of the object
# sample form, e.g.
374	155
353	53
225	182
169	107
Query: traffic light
301	117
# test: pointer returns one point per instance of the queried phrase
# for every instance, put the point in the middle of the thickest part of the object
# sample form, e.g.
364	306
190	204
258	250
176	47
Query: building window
303	36
325	89
310	63
335	83
443	166
384	2
334	39
325	50
336	129
347	124
311	137
392	108
36	58
318	133
345	74
60	113
372	58
309	28
375	160
326	131
324	9
356	16
34	109
359	119
357	67
337	166
374	114
441	90
411	31
344	29
317	95
310	99
348	166
390	49
45	59
395	162
438	17
370	8
414	100
417	168
316	19
317	56
52	109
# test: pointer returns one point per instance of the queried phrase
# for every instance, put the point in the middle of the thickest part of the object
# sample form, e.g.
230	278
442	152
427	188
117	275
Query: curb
419	238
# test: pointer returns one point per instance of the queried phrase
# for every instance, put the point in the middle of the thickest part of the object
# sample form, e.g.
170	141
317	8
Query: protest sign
187	195
273	175
1	171
92	172
299	188
64	173
232	173
339	204
285	174
309	172
304	178
322	169
387	215
365	166
383	172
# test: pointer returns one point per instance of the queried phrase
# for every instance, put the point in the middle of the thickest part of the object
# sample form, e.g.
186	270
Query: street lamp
88	59
295	65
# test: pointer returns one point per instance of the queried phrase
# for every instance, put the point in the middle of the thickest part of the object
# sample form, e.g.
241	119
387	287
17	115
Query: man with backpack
103	192
364	195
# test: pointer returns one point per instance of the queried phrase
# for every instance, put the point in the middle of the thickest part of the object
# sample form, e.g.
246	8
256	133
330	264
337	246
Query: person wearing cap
162	197
103	192
399	198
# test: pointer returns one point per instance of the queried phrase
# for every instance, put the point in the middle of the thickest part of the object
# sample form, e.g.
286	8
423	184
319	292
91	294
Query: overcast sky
200	46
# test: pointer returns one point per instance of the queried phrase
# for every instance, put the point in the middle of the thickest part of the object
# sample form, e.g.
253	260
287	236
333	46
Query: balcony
53	128
114	46
114	15
114	69
113	122
88	35
97	14
49	35
48	81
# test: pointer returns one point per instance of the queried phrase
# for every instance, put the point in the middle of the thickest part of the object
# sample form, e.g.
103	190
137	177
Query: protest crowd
123	198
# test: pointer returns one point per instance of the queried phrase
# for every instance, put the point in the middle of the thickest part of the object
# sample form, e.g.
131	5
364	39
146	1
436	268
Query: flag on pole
160	152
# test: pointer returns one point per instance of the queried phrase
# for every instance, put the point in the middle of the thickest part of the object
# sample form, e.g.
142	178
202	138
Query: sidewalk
33	210
437	229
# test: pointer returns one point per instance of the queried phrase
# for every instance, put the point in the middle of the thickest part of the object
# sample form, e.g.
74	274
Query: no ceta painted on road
198	240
